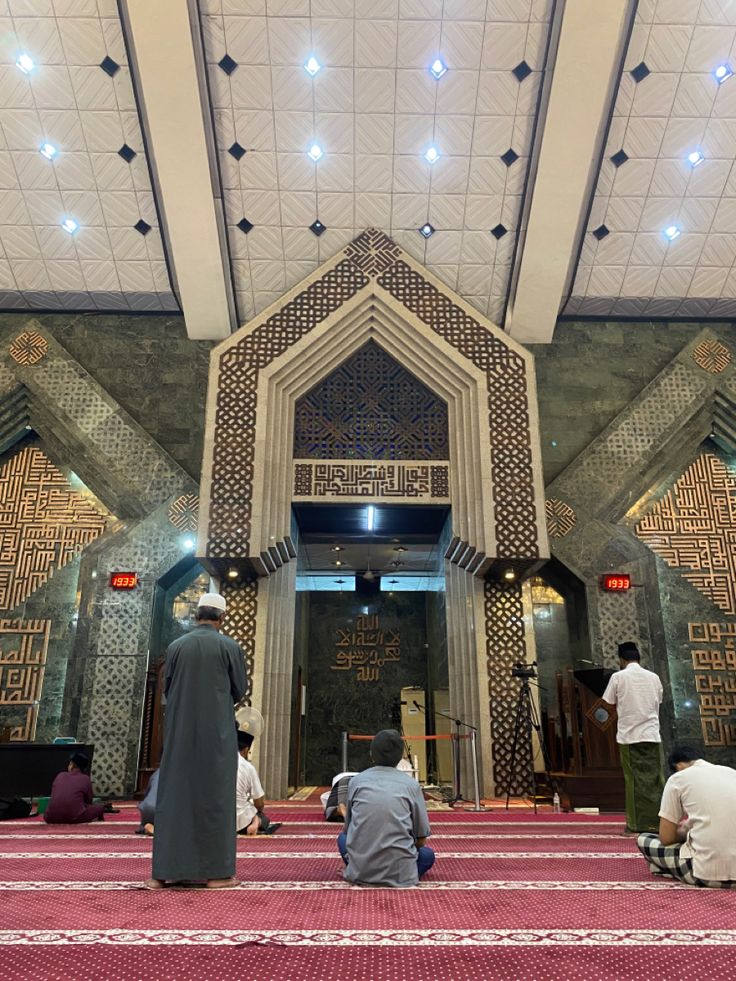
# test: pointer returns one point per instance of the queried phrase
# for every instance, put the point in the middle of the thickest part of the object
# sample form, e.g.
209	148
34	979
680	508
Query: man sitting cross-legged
386	824
249	794
697	823
71	795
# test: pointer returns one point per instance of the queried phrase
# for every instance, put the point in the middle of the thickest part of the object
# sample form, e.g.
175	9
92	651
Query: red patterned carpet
510	896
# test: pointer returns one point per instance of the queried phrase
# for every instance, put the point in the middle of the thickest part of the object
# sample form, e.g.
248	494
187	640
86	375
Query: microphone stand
458	798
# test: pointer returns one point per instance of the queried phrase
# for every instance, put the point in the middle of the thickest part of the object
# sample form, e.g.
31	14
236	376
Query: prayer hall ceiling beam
165	51
591	45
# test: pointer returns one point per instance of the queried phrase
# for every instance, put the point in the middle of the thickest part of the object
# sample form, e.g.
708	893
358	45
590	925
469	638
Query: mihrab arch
373	291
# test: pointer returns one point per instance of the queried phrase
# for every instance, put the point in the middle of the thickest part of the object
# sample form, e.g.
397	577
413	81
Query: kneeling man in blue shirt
386	823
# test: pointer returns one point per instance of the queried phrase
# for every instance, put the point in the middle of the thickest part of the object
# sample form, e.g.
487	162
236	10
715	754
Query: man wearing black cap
637	694
386	824
71	795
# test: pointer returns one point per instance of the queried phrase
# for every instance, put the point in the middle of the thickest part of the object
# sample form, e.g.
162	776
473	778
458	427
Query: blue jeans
425	855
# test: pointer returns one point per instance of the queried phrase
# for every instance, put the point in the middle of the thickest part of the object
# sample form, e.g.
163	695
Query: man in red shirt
71	795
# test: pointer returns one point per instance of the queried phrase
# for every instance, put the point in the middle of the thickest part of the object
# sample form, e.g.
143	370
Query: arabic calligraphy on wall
366	648
714	662
350	480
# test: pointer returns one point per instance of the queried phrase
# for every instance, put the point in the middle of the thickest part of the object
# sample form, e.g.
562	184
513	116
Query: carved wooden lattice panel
43	524
713	649
508	406
505	645
240	624
371	408
23	649
693	529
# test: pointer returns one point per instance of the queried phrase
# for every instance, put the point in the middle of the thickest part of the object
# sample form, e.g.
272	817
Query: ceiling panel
88	115
374	109
627	266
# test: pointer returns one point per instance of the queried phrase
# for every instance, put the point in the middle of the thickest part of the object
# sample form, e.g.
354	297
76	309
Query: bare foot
154	884
148	830
253	827
231	883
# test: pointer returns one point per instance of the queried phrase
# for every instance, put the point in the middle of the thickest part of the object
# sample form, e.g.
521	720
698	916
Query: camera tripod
527	719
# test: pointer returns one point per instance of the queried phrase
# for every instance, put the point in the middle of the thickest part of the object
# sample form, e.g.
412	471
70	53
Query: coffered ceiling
200	161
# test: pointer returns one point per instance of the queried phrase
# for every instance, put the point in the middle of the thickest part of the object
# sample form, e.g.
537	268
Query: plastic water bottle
556	803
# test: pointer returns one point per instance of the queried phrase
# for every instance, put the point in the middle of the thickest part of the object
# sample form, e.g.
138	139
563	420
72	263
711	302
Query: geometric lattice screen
370	408
693	529
43	524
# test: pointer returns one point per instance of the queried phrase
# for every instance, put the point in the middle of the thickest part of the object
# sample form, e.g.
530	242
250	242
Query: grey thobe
195	805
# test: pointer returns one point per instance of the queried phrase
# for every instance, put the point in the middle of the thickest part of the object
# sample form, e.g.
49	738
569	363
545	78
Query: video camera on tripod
523	670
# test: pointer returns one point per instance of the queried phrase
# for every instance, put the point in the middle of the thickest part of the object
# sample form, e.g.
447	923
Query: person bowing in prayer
204	677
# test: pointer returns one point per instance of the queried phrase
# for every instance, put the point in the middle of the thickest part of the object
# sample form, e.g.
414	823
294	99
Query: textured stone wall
147	365
592	371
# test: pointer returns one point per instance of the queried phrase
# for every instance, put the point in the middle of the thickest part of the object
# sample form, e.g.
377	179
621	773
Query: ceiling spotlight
25	63
312	66
396	563
232	573
721	73
336	548
315	152
427	230
337	562
431	154
188	544
399	548
672	232
70	225
509	575
437	68
48	150
695	158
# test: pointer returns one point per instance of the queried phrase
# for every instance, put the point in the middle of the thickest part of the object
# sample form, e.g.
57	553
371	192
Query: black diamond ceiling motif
227	64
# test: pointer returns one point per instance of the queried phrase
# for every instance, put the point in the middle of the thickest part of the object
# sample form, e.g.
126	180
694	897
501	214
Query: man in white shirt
697	823
249	794
637	694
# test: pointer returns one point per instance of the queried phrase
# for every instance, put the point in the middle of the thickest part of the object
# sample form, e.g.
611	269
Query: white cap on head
213	600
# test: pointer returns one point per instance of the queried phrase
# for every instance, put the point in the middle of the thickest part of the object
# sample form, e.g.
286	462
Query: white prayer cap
213	600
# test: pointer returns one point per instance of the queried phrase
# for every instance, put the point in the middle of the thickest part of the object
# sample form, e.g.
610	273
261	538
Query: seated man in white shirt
697	823
249	794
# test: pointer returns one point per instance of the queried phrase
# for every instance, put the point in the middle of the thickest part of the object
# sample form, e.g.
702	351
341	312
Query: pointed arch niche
373	291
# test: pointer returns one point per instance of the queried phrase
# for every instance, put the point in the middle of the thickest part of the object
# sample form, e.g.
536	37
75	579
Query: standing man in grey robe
195	806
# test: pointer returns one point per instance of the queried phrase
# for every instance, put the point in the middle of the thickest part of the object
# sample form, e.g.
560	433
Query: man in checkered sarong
697	823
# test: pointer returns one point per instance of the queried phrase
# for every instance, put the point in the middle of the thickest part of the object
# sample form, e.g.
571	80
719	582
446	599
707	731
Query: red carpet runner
510	896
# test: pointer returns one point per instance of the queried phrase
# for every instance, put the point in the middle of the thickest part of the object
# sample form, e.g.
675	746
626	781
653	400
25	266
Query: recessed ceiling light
721	73
509	575
336	548
188	544
426	230
672	232
431	154
315	152
337	562
317	227
25	63
312	66
399	548
232	573
437	68
695	158
70	225
48	150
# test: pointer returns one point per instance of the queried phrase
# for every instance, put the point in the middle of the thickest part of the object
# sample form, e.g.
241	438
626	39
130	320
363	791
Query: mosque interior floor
512	895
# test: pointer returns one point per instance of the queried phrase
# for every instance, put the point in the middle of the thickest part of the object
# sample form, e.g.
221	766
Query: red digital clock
615	582
124	580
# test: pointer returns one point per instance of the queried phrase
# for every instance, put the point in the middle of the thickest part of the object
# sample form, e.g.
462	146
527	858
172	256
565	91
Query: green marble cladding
149	367
592	371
